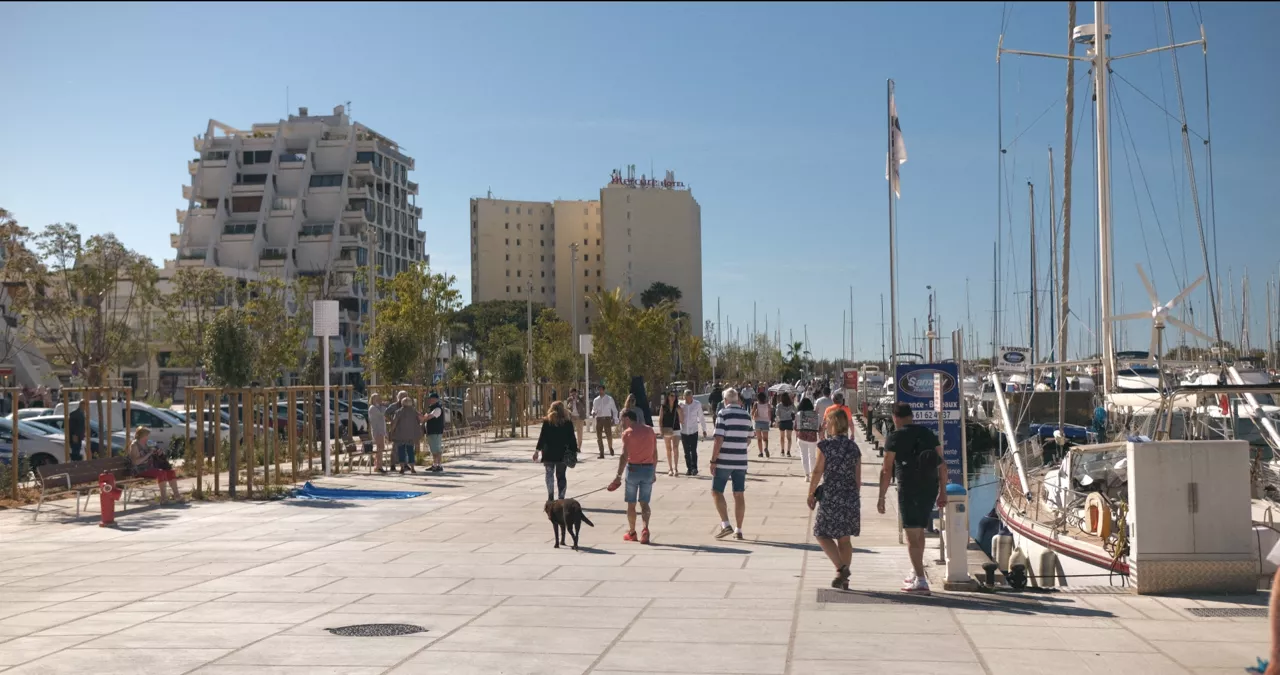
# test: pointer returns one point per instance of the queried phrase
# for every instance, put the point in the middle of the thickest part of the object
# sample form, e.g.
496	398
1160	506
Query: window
326	180
507	226
584	211
597	272
542	227
508	272
544	274
517	210
251	179
215	155
586	257
246	204
542	242
517	242
144	418
597	257
628	248
518	272
517	226
628	232
586	289
507	242
257	157
586	273
586	304
597	289
239	228
508	257
628	199
628	215
508	210
365	157
508	289
544	289
585	241
588	320
597	242
544	258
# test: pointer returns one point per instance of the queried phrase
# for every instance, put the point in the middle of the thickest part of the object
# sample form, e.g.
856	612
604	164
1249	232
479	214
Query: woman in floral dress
839	469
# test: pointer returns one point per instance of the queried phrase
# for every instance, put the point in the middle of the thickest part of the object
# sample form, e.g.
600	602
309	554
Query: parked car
27	413
56	422
41	445
166	426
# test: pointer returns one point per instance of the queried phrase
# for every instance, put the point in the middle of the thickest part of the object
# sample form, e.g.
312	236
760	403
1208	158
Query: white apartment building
638	232
306	196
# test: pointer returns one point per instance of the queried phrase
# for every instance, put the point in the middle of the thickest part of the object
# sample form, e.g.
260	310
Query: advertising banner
1014	359
918	384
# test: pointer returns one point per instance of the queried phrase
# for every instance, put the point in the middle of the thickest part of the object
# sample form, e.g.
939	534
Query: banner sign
850	380
919	386
1015	359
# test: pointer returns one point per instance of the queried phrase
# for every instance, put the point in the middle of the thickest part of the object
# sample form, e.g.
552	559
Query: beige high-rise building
639	232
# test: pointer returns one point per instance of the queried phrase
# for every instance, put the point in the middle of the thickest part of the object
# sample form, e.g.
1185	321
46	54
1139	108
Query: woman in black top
555	442
671	432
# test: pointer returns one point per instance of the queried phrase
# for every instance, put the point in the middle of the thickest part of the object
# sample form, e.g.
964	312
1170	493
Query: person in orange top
639	458
838	404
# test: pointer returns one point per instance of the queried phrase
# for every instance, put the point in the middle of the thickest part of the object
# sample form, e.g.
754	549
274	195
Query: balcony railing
413	188
319	230
293	157
240	228
193	254
273	254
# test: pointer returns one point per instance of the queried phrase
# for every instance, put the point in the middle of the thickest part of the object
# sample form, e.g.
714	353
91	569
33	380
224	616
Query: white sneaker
909	579
919	587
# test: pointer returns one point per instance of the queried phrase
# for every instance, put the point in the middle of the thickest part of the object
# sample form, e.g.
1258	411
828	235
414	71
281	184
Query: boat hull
1080	563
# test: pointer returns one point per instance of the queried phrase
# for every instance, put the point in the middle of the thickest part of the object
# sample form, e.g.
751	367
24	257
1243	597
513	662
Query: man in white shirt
605	411
820	406
748	395
692	420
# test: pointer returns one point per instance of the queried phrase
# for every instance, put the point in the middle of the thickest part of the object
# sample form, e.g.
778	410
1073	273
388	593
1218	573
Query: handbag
817	493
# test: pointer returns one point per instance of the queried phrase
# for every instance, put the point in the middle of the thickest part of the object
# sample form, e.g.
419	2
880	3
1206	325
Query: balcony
193	257
187	192
412	187
181	215
292	159
315	231
417	211
272	257
197	143
174	239
192	166
239	231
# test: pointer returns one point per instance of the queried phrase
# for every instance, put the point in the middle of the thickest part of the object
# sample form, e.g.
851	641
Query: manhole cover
377	630
1229	612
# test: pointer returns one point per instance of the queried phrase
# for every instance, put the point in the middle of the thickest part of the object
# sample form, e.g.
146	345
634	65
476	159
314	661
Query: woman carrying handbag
558	449
838	498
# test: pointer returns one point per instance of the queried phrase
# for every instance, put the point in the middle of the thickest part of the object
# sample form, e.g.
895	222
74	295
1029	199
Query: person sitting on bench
150	462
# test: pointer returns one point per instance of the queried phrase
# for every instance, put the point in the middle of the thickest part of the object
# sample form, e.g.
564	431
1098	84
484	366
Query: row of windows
543	273
518	289
542	258
587	273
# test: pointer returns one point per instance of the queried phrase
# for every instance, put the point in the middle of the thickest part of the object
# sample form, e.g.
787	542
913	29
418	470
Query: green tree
281	335
228	355
86	299
423	304
629	341
658	292
554	354
460	371
498	340
392	352
510	371
186	312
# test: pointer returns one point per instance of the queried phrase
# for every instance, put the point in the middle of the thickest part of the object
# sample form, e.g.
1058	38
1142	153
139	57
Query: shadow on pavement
798	547
989	603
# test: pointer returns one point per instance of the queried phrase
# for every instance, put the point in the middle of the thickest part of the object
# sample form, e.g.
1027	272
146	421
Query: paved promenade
249	589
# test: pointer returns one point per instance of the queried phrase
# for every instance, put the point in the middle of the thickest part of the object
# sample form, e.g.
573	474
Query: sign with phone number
916	386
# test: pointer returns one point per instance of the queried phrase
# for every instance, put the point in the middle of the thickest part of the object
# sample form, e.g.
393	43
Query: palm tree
796	350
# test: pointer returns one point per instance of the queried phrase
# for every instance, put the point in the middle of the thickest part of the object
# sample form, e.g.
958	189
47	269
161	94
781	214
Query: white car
39	444
165	425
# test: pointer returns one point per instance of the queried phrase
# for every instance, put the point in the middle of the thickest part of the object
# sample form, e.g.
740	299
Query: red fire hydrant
108	495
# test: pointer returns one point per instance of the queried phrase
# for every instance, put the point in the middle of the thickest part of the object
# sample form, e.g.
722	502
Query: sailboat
1069	522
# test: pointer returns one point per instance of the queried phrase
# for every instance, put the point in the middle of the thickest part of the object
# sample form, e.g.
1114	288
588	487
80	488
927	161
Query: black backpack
923	462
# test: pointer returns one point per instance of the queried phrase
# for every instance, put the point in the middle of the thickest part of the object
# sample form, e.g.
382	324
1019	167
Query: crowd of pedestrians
822	424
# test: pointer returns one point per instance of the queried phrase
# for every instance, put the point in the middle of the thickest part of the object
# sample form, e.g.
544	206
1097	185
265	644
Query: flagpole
893	249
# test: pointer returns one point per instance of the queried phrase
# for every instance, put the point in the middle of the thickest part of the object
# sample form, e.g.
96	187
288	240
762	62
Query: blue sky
774	114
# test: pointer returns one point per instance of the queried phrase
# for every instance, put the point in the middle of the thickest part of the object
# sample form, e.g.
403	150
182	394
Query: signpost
1014	359
324	325
933	392
584	348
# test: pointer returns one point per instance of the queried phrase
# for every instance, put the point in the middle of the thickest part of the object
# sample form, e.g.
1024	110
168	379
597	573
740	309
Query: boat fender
1048	568
1003	547
1097	516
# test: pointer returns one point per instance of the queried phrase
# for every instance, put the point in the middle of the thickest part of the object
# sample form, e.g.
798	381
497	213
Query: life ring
1097	516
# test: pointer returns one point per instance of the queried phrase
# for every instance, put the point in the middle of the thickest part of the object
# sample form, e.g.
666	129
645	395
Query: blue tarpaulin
309	491
1073	432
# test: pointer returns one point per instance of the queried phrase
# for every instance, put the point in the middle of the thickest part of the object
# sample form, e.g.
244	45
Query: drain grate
1097	590
377	630
1229	612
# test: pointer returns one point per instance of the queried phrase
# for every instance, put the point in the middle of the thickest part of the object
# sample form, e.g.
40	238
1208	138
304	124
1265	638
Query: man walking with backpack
916	454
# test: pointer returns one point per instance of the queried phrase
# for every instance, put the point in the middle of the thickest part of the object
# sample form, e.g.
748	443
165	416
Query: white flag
899	150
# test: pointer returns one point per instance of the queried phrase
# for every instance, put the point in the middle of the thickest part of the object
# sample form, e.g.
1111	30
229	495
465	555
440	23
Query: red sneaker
644	536
630	536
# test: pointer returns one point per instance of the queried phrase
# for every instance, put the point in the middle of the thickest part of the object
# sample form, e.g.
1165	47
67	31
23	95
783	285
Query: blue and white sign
917	384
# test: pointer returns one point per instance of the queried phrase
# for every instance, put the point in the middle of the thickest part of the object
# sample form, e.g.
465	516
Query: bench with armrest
81	480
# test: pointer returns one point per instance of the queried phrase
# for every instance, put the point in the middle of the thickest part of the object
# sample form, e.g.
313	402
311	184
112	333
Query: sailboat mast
1101	64
1054	289
1067	155
893	249
1033	317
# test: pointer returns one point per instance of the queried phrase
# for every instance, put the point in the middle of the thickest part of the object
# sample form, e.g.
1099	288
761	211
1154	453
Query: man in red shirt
639	458
838	404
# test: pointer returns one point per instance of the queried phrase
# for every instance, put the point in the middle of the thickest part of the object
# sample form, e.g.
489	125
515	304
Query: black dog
566	516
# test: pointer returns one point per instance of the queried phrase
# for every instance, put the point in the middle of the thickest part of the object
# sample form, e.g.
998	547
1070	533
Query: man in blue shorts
729	462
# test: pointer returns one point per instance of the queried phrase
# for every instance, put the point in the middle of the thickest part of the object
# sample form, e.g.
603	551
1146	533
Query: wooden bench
81	479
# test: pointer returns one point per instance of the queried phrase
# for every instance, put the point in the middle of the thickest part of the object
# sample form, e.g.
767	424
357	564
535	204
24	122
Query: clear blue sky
773	113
